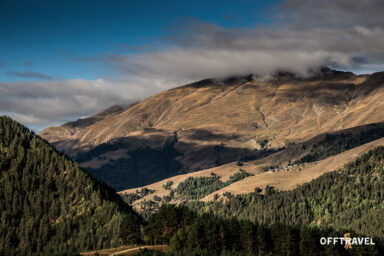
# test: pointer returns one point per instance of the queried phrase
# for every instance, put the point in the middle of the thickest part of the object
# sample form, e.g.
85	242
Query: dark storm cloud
29	74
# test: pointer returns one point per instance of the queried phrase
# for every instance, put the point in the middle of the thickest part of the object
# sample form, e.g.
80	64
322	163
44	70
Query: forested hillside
339	142
198	235
49	205
349	199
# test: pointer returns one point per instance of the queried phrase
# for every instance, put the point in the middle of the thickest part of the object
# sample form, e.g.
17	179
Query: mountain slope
49	205
239	110
214	122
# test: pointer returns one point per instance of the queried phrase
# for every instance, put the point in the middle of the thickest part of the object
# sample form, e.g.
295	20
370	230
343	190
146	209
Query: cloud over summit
305	35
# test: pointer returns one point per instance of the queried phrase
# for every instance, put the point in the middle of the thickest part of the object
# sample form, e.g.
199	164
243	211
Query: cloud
334	13
29	74
193	64
42	104
304	35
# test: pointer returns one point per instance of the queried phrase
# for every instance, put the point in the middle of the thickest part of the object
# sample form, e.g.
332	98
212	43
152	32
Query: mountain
214	122
50	206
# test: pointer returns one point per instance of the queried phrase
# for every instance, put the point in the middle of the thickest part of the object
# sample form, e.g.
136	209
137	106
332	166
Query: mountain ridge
138	117
70	128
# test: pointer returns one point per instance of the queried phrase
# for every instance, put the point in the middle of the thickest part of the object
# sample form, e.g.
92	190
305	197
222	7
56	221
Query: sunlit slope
241	111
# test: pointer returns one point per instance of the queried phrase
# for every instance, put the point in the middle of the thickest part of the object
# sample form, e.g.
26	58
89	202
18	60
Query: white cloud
41	104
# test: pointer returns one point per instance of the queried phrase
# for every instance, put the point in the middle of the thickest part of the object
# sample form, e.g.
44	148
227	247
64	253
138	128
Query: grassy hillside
49	205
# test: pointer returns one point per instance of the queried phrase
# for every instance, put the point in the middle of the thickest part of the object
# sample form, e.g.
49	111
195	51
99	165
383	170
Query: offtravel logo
347	241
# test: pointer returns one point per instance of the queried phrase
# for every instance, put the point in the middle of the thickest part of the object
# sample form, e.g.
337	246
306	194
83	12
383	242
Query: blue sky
56	39
64	60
